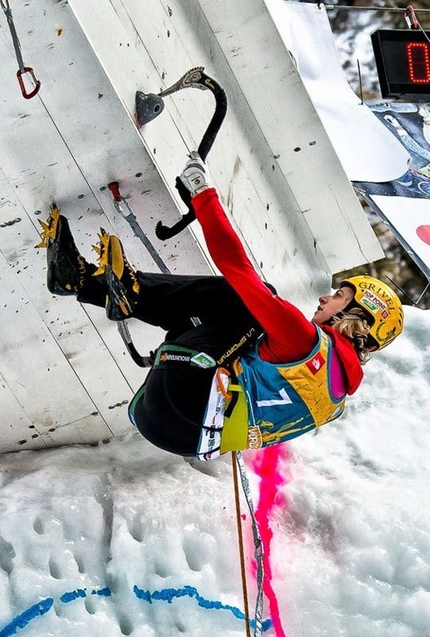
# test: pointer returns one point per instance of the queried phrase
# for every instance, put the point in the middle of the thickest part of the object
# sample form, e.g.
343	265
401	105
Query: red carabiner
19	74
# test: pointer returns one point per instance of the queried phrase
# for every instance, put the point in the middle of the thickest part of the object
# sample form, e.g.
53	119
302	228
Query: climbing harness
177	354
150	105
239	468
22	69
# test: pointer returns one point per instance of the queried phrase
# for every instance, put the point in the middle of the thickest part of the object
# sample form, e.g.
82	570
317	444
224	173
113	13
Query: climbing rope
241	549
22	69
239	469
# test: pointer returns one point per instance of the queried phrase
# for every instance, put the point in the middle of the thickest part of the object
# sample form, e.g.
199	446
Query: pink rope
266	464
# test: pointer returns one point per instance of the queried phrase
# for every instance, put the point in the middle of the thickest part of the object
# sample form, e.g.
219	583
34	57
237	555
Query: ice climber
254	371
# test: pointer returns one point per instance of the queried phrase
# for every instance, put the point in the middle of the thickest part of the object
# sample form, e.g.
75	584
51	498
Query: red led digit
418	62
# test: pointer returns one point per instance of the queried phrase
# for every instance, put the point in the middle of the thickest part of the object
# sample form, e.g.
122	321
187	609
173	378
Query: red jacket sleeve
289	336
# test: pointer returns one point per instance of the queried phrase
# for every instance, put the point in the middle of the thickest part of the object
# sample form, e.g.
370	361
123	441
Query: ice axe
148	106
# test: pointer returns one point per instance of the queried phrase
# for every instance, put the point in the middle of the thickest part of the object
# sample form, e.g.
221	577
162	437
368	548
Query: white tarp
384	148
366	149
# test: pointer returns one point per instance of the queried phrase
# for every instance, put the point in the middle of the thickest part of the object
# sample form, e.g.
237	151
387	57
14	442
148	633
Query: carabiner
19	74
223	390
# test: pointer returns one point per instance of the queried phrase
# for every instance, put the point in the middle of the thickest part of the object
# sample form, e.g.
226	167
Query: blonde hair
354	325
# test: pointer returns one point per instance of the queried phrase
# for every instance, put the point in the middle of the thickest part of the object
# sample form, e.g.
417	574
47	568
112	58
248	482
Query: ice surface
124	539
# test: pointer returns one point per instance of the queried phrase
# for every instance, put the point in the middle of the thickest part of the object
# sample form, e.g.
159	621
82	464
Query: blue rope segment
21	621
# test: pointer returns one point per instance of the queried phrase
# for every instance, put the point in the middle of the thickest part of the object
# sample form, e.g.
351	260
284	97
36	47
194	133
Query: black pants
169	408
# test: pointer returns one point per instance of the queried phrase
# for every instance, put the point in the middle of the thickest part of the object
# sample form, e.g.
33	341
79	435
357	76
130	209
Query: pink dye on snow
266	464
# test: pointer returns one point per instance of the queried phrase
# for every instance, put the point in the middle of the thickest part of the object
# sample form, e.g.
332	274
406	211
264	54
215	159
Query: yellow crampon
110	253
102	251
49	227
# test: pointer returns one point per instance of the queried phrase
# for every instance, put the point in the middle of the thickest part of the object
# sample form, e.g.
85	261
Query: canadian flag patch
316	363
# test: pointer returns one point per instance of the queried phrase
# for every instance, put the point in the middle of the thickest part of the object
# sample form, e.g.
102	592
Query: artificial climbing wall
65	376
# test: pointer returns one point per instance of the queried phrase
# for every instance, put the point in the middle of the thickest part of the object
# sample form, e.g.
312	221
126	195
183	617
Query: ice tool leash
148	106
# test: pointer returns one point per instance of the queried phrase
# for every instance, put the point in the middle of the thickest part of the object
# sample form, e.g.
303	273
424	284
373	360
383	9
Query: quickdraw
125	210
123	207
149	106
22	70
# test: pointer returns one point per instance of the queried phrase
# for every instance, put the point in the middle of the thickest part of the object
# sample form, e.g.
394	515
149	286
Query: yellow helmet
381	304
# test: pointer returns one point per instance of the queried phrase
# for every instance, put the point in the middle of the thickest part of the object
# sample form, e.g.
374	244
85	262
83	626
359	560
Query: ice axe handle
165	232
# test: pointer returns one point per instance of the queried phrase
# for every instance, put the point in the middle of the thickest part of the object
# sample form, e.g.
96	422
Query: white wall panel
65	375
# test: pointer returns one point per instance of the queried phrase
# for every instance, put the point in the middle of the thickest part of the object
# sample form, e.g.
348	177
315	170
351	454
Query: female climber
240	367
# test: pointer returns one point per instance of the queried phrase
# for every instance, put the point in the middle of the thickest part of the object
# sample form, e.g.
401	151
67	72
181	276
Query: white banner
404	203
365	148
384	147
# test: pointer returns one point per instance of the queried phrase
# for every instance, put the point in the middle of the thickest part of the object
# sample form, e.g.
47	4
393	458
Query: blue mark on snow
27	616
165	595
169	594
102	592
72	595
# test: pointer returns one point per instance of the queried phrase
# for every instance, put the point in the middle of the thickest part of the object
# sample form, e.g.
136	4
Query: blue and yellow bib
281	401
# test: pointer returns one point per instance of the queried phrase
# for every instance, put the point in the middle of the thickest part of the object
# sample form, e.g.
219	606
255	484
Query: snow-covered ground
123	539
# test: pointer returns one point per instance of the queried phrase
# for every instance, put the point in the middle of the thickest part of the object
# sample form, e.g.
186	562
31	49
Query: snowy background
124	539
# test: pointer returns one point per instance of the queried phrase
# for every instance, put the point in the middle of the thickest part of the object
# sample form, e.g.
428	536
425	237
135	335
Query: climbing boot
67	268
122	283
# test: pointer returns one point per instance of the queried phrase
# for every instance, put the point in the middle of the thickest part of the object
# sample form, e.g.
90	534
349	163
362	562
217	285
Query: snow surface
124	539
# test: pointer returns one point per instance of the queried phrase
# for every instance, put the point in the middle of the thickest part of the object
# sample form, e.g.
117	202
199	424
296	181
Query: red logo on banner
424	233
316	363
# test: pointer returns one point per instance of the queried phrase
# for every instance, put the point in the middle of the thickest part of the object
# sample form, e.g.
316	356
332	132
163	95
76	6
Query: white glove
195	175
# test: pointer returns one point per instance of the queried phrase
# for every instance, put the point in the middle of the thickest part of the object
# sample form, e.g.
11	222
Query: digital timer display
403	62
